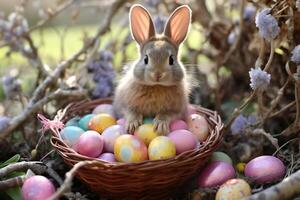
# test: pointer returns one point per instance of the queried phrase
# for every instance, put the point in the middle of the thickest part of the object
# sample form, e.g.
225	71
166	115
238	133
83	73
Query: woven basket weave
143	180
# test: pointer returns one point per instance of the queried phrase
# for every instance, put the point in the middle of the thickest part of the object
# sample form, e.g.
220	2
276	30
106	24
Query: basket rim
201	152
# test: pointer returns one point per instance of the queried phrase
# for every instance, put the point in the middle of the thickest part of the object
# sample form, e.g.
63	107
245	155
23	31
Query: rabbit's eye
171	60
146	60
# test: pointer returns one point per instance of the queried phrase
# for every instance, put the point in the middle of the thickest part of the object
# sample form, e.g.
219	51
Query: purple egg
109	157
106	109
215	174
265	169
178	124
37	187
184	140
121	122
110	135
90	144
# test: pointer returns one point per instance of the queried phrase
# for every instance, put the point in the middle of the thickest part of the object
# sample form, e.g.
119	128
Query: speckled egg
220	156
37	188
84	121
73	122
215	174
265	169
129	148
178	124
148	120
146	133
233	189
198	125
161	147
184	140
70	134
105	109
101	121
110	135
90	144
121	122
108	157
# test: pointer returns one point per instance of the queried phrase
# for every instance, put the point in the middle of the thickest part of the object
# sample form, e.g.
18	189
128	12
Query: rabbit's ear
178	24
141	24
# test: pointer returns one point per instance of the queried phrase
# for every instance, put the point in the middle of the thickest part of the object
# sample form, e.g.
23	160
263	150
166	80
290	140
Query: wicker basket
143	180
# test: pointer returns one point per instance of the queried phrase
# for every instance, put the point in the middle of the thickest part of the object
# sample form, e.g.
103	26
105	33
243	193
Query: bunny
156	84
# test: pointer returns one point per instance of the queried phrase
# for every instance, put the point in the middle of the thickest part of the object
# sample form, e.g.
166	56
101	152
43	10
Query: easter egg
70	134
121	122
220	156
215	174
198	125
184	140
90	144
178	124
73	122
161	147
105	109
233	189
146	133
84	121
191	110
108	157
101	121
37	188
110	135
129	148
265	169
148	120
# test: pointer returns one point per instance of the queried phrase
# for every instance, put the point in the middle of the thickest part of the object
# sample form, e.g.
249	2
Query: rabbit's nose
157	76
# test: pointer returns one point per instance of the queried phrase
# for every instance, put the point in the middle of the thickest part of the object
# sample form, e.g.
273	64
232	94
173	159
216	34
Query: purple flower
249	12
259	79
296	54
267	24
241	123
4	122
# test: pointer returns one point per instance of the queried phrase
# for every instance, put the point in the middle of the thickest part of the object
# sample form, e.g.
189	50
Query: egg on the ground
220	156
146	133
234	189
100	122
129	148
215	174
184	140
90	144
265	169
70	135
161	147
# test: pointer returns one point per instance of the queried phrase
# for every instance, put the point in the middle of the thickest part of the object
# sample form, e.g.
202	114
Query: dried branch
35	166
12	182
286	189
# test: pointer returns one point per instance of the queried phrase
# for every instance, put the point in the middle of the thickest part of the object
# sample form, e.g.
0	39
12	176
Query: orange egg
101	121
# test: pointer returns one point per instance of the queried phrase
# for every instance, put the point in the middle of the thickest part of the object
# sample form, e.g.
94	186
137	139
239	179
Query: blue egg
70	134
84	121
148	120
73	122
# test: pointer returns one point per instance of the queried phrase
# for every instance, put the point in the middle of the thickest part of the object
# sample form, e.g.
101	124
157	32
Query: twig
268	65
286	189
12	182
36	167
66	186
283	109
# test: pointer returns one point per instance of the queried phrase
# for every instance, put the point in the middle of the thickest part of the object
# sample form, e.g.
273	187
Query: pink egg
90	143
110	135
215	174
105	109
121	122
37	188
109	157
265	169
184	140
198	125
178	124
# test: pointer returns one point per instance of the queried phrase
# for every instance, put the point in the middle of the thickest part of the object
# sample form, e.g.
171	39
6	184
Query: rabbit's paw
161	125
133	122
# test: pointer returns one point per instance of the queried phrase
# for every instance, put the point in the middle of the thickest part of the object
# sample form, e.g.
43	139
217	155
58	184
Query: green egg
148	120
73	122
220	156
84	121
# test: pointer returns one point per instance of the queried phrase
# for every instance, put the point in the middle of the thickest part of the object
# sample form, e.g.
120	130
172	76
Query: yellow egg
234	189
240	167
101	121
146	133
129	148
161	147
